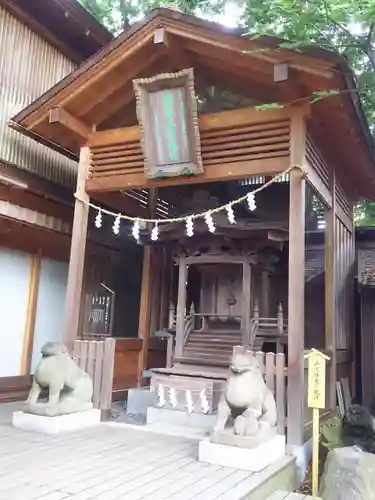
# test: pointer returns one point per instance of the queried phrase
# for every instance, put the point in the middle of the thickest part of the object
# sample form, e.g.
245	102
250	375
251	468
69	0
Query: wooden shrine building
174	123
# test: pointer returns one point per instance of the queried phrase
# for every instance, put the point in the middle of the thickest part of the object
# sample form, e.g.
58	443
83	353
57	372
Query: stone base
227	438
139	400
252	460
180	418
55	425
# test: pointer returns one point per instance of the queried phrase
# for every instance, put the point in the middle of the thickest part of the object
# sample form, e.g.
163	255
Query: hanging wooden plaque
168	119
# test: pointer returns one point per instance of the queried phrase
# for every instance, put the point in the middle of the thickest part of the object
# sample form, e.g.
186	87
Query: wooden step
217	331
228	351
197	361
208	350
213	342
216	338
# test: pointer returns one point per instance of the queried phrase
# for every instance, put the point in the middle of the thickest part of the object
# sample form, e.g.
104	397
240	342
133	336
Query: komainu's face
53	349
242	363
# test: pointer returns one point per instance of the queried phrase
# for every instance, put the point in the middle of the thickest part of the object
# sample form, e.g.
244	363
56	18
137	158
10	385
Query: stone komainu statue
247	399
69	388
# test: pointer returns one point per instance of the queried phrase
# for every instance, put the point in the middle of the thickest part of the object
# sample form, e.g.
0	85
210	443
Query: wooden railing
227	138
96	357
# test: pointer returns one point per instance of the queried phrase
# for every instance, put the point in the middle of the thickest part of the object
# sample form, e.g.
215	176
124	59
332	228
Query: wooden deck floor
113	463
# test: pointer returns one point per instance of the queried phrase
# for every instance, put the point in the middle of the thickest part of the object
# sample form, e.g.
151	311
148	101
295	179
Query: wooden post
265	293
181	307
28	341
146	291
246	305
145	308
330	293
77	252
296	284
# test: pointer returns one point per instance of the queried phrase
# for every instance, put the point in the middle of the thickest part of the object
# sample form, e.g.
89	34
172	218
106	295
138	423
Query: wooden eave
63	23
99	92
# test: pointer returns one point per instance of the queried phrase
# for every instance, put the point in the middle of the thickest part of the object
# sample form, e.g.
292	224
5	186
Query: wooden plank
207	123
77	351
98	369
91	358
259	356
270	371
215	172
280	392
84	354
346	392
28	339
246	304
107	374
296	283
77	252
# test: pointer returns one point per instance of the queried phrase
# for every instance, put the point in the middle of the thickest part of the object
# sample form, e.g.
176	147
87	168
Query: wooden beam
28	340
212	173
77	252
121	83
180	58
253	50
246	304
330	290
145	308
296	284
63	117
181	307
216	121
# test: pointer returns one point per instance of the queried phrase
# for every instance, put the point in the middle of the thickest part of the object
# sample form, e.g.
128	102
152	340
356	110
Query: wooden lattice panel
120	153
317	161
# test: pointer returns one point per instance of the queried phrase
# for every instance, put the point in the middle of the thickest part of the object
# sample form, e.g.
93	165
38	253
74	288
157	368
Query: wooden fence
96	357
274	370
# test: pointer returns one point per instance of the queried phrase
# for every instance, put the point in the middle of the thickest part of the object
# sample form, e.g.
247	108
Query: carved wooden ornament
168	120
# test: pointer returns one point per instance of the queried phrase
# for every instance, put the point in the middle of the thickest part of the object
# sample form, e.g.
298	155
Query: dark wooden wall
367	344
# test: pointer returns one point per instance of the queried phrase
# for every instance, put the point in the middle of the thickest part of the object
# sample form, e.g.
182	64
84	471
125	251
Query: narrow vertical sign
316	399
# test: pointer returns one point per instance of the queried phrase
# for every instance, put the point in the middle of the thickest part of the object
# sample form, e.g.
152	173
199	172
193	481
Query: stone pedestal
253	459
55	425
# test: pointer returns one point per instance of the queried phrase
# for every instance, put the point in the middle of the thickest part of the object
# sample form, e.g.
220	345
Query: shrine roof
63	23
99	94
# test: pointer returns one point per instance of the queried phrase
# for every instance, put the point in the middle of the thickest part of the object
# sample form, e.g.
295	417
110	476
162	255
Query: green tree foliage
343	26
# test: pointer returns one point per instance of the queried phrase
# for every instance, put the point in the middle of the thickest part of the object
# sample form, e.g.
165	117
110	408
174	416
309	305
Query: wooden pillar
28	341
181	307
165	289
330	295
296	285
145	307
77	252
246	305
144	324
265	293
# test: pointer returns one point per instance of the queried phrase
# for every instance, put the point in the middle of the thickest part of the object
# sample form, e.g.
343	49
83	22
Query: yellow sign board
316	389
316	399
